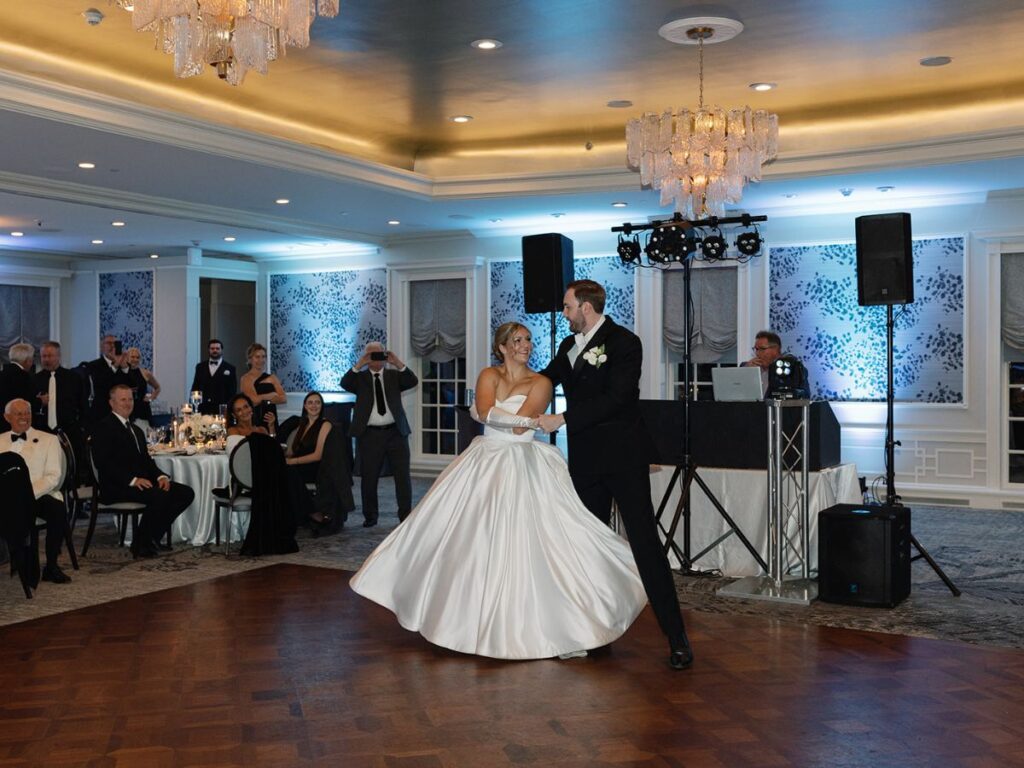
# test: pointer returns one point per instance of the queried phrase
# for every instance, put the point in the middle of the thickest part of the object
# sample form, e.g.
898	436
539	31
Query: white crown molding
28	270
70	192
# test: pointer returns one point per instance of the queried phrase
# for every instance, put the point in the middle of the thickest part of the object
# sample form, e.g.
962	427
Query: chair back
70	483
240	465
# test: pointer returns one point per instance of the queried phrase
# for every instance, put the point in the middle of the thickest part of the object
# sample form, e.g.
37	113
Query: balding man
379	425
16	376
42	455
110	368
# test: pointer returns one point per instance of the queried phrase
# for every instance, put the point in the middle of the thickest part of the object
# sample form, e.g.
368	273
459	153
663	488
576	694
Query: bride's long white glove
497	417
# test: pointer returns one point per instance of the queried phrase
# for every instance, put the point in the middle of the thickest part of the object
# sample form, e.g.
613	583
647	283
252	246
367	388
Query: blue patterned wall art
507	300
813	306
126	310
320	322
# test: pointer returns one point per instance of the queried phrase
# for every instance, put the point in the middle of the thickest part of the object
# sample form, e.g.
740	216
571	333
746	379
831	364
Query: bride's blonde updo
502	335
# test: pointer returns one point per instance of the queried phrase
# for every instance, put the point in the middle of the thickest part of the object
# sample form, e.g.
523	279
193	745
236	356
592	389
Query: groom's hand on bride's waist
551	422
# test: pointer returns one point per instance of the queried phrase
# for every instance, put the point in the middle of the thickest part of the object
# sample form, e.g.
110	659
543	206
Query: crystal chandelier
233	36
701	160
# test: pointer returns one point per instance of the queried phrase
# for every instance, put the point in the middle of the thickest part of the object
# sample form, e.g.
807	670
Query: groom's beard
575	326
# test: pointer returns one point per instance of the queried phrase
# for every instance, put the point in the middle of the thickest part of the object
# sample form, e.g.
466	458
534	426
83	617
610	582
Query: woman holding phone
260	386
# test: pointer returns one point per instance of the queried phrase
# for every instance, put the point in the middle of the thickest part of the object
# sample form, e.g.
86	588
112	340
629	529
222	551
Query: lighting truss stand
687	470
788	511
891	498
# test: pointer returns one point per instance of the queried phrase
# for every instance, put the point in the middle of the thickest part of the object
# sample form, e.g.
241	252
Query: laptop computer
737	385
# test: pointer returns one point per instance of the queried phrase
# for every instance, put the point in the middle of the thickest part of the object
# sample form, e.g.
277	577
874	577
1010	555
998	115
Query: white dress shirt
582	339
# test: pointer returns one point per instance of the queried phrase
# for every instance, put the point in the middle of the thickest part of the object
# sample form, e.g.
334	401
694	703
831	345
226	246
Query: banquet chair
16	521
239	492
68	490
122	510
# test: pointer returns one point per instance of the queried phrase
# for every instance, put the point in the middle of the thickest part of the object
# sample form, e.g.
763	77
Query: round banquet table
202	472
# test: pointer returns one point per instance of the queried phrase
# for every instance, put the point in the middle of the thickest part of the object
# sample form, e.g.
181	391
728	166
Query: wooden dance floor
286	666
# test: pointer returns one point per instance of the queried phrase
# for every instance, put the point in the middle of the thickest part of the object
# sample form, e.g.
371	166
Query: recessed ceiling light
117	223
97	242
886	188
460	118
154	255
282	201
619	204
557	215
230	239
935	61
619	103
17	234
394	222
762	86
487	44
87	166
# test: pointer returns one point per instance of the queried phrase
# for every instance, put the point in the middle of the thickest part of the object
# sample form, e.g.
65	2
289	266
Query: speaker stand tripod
687	471
891	498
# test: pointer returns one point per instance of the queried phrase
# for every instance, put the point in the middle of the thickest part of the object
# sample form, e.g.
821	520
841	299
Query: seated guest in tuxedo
305	450
44	458
262	388
141	380
110	368
127	473
16	376
379	425
216	378
767	349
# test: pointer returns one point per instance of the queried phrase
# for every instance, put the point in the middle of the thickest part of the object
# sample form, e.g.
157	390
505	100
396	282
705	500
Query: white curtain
1013	299
438	319
713	307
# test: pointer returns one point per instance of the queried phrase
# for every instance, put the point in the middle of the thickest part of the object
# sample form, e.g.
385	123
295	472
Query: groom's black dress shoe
681	656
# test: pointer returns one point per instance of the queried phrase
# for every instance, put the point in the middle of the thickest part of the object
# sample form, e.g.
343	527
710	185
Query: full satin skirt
501	559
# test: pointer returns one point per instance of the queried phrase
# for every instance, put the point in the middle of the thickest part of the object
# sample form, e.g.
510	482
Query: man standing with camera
103	373
379	425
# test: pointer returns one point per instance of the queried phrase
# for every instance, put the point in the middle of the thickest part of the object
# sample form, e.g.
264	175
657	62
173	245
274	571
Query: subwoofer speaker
885	263
864	555
547	270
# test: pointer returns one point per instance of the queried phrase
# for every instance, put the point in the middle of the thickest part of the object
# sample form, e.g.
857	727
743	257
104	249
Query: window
700	381
442	387
1015	440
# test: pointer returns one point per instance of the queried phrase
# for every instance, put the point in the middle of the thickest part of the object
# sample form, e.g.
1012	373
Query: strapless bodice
512	404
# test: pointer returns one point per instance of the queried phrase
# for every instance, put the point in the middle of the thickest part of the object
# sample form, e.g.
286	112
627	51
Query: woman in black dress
140	380
305	450
262	388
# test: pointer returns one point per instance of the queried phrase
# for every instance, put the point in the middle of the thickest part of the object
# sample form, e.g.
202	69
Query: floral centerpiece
200	430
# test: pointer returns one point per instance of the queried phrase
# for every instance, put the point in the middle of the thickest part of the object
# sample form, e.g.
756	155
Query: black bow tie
17	436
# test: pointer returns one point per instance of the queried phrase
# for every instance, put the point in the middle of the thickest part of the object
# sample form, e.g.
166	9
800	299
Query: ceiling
355	129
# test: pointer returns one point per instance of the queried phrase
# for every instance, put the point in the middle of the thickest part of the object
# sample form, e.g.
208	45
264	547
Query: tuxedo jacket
602	415
44	458
100	379
217	389
120	457
69	400
15	383
361	385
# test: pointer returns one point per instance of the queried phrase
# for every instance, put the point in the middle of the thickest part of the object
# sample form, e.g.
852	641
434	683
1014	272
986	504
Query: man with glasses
767	349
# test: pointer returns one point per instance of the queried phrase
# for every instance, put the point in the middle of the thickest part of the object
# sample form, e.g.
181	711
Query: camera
118	348
379	356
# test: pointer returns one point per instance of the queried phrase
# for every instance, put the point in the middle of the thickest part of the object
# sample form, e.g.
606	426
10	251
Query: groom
599	370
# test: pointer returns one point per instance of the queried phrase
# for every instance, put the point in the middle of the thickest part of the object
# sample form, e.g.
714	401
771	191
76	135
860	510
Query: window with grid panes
1016	421
442	387
700	379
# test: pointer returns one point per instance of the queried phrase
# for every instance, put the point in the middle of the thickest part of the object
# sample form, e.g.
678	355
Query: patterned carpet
979	550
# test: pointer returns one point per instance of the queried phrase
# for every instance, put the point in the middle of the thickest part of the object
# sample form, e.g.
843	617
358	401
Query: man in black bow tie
599	370
127	473
216	378
42	455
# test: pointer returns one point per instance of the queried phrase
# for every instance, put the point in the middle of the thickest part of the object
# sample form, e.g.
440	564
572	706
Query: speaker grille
885	262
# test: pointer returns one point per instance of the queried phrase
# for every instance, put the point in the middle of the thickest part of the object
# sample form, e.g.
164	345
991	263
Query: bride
501	558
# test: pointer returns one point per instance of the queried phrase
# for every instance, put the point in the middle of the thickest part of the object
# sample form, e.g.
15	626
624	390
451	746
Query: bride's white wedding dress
501	558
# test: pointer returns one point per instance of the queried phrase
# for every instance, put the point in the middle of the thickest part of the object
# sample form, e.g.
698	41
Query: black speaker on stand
885	260
547	270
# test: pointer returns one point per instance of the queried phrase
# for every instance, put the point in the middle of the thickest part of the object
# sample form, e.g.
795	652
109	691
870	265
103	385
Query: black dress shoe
55	574
369	523
144	551
681	656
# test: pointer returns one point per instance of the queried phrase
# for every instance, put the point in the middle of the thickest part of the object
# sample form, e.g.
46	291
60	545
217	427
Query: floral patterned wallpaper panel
507	300
813	306
320	322
126	310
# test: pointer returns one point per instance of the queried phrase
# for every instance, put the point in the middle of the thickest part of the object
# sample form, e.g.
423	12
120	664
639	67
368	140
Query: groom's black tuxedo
608	454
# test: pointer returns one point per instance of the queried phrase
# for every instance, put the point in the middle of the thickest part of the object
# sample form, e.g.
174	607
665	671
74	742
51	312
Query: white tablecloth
202	473
744	494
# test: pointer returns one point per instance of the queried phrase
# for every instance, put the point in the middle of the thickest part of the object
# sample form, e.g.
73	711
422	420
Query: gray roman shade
438	319
24	316
713	290
1013	299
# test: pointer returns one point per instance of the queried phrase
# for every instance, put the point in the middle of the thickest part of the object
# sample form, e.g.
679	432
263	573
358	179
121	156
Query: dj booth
729	444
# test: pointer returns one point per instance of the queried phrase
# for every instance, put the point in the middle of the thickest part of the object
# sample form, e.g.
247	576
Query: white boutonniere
596	356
